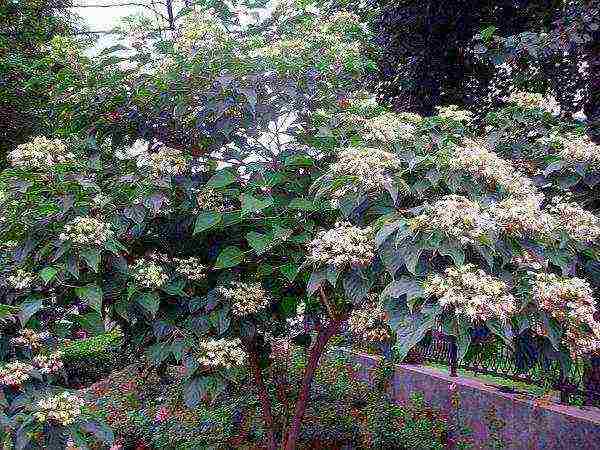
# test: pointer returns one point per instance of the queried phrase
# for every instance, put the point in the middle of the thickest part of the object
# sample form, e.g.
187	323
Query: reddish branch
263	395
313	361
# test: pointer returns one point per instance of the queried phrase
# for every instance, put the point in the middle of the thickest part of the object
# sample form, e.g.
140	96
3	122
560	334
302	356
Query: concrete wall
513	421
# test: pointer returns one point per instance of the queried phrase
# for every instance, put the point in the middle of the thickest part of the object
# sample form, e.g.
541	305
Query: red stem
313	361
263	395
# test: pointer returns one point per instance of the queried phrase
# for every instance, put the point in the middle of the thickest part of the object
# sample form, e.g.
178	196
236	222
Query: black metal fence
579	384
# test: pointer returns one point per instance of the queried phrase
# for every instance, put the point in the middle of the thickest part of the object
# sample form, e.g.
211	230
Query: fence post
564	393
453	355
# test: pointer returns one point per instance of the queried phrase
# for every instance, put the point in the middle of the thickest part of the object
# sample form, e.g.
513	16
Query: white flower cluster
149	274
62	409
166	161
529	261
221	353
529	100
27	338
343	245
389	127
87	231
48	364
245	298
369	324
341	22
371	167
40	154
522	217
191	268
570	302
579	150
457	217
201	31
472	293
210	200
480	162
453	112
296	323
577	223
15	373
20	280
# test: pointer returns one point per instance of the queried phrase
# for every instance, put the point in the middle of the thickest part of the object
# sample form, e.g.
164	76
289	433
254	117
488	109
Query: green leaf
299	160
502	330
303	204
91	322
7	311
290	271
251	204
230	257
175	288
28	308
404	286
411	258
92	258
221	179
411	328
149	301
100	430
206	220
92	295
48	273
356	286
456	253
317	278
259	242
194	391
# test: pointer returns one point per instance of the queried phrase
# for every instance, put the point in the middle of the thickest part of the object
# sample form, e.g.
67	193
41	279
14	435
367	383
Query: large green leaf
92	295
251	204
230	257
7	311
456	253
290	271
411	328
194	390
149	301
259	242
206	220
91	257
221	179
404	286
28	308
48	273
356	285
303	204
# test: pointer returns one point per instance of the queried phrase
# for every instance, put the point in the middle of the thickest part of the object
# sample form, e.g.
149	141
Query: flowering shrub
40	155
221	353
342	246
245	298
471	293
192	212
569	301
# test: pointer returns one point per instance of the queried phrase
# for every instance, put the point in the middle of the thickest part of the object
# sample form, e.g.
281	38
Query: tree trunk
263	394
313	361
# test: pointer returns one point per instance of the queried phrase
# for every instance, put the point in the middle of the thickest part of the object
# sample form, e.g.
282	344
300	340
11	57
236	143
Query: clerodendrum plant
181	212
262	193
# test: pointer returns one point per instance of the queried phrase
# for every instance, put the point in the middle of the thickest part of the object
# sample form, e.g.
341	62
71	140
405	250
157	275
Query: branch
265	401
113	5
314	357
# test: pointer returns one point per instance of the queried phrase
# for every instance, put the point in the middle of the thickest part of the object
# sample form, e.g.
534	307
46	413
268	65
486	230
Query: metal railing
581	380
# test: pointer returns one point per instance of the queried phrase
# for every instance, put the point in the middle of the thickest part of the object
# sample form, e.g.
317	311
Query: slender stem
313	361
263	395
